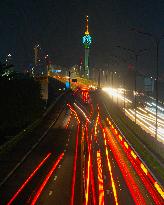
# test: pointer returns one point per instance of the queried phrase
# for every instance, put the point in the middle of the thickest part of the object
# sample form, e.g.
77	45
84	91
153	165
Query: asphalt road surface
80	161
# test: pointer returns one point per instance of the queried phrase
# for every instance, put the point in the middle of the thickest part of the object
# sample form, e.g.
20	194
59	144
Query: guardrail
53	104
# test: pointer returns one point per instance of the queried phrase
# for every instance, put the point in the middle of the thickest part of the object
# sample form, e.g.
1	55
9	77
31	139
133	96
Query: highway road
129	184
23	184
82	160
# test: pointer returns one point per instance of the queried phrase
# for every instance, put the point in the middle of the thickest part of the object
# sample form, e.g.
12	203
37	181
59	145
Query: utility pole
112	85
69	75
136	54
99	79
157	40
124	94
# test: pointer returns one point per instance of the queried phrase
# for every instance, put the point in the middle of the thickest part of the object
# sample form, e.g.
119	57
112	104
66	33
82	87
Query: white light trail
116	93
82	112
146	116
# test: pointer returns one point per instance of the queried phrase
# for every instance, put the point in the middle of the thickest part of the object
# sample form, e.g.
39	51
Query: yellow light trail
100	179
88	179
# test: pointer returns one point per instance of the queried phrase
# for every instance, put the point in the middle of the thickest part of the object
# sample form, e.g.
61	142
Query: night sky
58	27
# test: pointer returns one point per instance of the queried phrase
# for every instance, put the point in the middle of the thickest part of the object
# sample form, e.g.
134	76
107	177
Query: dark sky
58	26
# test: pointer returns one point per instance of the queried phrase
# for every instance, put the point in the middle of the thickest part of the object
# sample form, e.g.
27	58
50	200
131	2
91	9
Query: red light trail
140	168
88	177
46	180
110	171
74	167
132	186
93	185
100	179
28	179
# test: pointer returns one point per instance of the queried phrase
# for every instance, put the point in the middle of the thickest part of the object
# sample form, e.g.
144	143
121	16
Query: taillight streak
145	181
132	186
100	179
38	193
140	168
87	178
28	179
93	185
110	171
74	167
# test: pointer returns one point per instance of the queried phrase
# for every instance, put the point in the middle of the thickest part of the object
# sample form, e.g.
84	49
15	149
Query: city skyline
60	29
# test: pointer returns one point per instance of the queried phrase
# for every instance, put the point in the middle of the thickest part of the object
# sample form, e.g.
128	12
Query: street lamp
47	64
99	78
125	61
157	40
112	73
136	53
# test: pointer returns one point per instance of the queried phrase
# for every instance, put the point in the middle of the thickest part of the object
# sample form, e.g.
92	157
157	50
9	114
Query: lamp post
112	83
116	81
69	74
99	78
125	61
124	95
136	53
47	65
157	41
112	73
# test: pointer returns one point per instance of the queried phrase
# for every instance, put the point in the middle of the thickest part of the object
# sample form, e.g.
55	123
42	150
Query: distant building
40	62
6	69
145	84
40	71
8	60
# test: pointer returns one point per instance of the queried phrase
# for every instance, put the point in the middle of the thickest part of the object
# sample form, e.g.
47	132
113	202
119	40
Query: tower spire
87	31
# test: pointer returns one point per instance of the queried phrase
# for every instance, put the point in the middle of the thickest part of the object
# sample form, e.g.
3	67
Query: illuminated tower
87	42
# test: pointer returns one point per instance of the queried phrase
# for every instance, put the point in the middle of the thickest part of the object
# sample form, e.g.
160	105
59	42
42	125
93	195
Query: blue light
87	40
67	85
56	71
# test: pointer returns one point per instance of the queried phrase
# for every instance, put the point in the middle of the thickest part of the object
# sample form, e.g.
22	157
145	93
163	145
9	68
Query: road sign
74	80
149	84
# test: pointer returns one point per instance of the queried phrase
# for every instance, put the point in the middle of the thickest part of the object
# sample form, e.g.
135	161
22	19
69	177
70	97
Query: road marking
31	149
107	191
28	179
55	178
46	179
50	193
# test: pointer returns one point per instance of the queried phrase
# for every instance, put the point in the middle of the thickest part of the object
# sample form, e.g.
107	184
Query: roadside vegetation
21	104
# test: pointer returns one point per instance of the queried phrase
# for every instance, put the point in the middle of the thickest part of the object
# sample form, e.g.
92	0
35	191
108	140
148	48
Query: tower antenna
87	26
